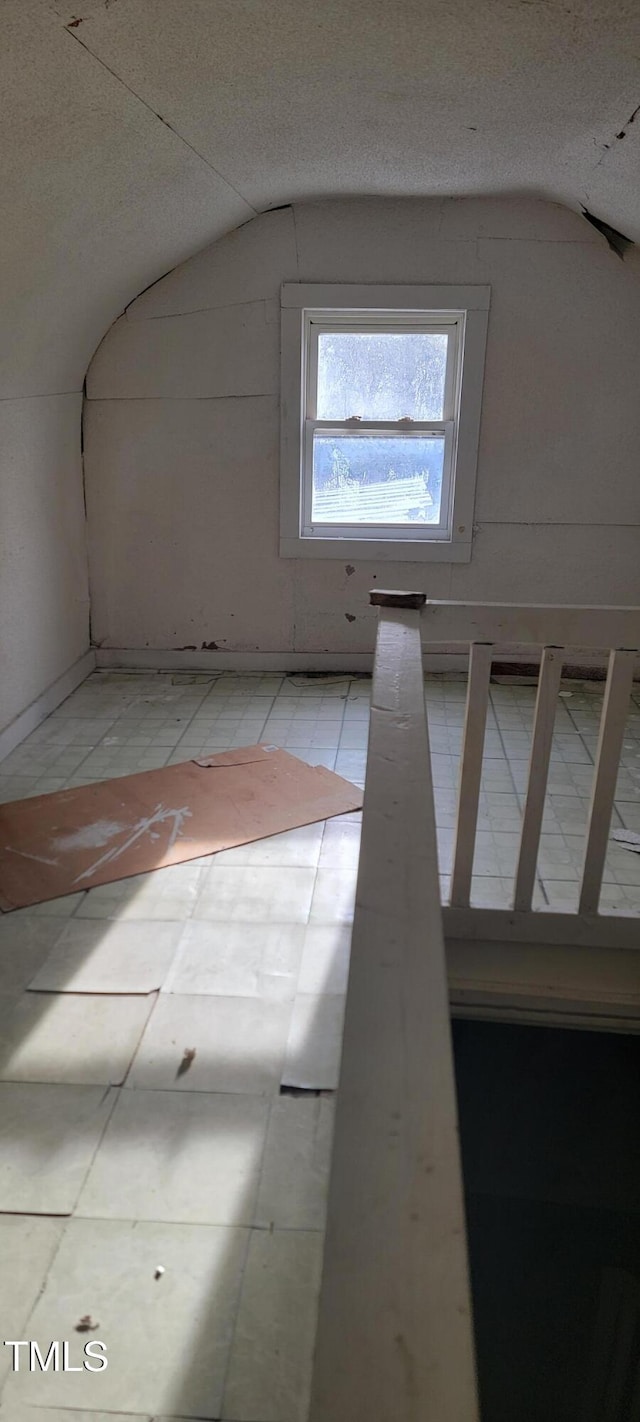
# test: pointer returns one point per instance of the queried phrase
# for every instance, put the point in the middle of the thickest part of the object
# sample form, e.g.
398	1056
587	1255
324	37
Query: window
381	391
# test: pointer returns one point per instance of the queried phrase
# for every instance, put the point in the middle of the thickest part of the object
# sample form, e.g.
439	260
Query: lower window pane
369	479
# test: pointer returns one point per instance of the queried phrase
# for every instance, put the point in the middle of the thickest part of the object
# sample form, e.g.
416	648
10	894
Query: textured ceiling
150	127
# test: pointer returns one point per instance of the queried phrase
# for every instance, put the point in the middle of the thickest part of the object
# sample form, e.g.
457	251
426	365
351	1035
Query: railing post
541	745
395	1338
475	721
613	719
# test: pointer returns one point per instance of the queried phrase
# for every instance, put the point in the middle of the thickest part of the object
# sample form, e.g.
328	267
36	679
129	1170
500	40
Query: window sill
380	550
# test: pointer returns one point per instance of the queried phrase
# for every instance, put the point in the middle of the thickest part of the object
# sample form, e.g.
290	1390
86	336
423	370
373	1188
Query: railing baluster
542	739
612	724
475	721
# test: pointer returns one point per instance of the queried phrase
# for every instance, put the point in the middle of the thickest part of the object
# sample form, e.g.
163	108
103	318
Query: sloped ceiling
136	131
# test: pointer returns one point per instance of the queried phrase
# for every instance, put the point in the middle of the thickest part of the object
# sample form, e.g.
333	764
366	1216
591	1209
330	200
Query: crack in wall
620	135
196	310
624	131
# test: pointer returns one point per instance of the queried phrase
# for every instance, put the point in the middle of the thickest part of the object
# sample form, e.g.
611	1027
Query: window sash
316	323
314	528
379	323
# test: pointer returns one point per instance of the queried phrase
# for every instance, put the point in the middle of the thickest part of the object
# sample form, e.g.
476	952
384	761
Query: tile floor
120	1157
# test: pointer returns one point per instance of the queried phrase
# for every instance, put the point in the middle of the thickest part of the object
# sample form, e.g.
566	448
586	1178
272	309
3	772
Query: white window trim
469	305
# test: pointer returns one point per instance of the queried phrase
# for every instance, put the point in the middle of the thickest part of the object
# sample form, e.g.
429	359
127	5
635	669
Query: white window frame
306	310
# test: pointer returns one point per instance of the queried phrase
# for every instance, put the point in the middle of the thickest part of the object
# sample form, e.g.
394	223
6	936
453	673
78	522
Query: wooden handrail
394	1339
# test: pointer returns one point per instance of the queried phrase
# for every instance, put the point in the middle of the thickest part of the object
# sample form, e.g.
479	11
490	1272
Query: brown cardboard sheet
51	845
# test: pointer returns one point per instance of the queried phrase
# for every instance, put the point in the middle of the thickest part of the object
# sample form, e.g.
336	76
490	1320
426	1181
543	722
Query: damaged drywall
617	242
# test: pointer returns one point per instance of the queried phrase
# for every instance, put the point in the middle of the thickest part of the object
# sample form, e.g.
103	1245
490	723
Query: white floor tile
557	858
491	891
48	1136
250	932
190	1157
295	848
333	896
314	1044
301	734
26	941
295	1172
325	958
111	957
167	1339
618	898
561	895
71	1038
354	735
270	1366
240	1044
306	708
63	907
340	845
319	688
27	1247
238	960
622	865
351	764
164	894
317	756
255	894
357	706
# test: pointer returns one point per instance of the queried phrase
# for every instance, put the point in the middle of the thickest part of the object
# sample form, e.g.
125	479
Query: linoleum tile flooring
169	1045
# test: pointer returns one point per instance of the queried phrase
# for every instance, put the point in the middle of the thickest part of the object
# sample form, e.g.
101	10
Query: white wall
44	595
99	197
181	432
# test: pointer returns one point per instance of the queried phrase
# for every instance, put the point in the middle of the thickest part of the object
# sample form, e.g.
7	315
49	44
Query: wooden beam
395	1340
519	625
598	984
560	929
389	597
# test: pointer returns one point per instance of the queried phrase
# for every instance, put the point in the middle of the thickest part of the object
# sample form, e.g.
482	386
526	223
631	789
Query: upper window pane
381	376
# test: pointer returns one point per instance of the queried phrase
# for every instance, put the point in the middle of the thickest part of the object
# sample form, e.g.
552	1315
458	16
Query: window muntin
381	397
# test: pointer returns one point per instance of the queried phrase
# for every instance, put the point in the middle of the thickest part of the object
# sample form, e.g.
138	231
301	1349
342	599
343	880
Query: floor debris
628	839
187	1059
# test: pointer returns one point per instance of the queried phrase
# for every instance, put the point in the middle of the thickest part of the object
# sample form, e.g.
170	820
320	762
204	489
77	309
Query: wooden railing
395	1335
552	636
394	1340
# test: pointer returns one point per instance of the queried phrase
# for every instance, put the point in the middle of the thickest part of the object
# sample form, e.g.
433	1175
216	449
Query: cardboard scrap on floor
628	839
57	844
